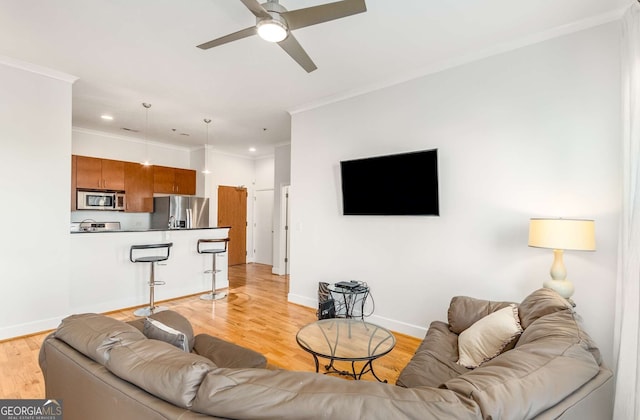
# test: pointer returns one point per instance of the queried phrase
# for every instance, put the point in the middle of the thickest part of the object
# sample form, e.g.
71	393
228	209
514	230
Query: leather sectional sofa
106	369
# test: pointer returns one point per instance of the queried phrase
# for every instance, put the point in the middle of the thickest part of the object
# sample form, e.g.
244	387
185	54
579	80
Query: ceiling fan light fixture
272	30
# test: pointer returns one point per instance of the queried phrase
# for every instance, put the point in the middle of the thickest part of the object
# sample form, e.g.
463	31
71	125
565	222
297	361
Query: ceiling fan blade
323	13
228	38
295	50
256	8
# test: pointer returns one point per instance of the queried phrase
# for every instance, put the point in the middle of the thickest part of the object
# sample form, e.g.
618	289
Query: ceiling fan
274	24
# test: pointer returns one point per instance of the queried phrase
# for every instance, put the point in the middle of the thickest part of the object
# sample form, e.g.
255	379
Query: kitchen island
103	279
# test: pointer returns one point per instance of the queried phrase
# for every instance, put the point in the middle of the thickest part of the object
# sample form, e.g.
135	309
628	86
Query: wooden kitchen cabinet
163	180
185	180
74	196
138	181
99	174
138	184
168	180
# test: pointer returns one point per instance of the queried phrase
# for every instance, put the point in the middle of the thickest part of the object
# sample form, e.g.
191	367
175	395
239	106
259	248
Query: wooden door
232	212
138	182
113	175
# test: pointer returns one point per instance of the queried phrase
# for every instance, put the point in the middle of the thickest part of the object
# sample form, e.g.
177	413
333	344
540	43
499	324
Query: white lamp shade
572	234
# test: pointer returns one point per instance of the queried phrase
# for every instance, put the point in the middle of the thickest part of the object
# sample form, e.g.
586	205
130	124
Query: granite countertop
148	230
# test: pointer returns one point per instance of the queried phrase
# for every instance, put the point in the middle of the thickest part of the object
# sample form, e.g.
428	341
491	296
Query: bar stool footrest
157	283
214	296
146	311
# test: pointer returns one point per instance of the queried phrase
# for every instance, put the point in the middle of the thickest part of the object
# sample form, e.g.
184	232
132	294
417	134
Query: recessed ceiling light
106	117
252	149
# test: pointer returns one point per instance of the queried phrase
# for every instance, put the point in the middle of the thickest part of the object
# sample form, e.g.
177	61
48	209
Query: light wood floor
256	314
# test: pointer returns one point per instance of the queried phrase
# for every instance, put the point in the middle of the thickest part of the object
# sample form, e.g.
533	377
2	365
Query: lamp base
563	287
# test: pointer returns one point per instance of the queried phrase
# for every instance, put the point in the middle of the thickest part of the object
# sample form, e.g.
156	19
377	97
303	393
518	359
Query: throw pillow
488	337
464	311
158	331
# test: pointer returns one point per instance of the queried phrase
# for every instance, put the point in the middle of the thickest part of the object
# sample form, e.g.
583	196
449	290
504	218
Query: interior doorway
263	227
232	211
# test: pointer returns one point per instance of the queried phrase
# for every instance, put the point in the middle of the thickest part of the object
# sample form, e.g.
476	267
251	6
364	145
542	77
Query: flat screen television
402	184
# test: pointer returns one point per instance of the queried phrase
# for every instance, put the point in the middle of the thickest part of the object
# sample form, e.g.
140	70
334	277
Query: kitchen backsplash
128	221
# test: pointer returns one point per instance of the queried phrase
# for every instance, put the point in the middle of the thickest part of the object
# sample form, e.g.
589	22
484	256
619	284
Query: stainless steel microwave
100	200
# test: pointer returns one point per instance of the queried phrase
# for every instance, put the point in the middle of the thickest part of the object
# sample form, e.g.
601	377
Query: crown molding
129	139
34	68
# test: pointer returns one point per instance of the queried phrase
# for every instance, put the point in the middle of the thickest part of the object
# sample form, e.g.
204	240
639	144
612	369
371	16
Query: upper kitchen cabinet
139	187
74	197
174	180
101	174
185	181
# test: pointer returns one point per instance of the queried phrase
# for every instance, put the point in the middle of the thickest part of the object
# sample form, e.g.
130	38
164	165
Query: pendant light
206	170
146	161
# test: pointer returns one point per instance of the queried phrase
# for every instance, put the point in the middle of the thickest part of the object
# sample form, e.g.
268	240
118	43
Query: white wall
35	135
282	178
129	149
264	167
532	132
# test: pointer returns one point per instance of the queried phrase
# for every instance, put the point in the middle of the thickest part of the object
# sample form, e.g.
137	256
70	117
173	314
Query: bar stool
152	259
214	253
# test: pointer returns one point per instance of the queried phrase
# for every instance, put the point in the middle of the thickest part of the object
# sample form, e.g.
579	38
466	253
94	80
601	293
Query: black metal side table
350	299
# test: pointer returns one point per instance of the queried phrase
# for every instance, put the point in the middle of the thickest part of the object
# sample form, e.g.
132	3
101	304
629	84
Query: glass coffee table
352	340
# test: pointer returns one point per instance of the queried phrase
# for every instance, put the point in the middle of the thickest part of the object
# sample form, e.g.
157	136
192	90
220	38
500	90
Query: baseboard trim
389	323
30	328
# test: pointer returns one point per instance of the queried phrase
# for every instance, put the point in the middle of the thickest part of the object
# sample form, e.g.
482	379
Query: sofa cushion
464	311
540	303
281	394
160	369
434	362
158	331
488	337
549	363
94	335
171	319
226	354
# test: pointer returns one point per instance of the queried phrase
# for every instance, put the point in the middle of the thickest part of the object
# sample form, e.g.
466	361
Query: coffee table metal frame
380	341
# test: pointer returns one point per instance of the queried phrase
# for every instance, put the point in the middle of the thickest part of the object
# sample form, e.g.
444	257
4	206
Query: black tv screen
403	184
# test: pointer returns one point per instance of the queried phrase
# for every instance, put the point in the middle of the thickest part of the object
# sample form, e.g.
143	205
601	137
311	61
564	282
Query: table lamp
561	234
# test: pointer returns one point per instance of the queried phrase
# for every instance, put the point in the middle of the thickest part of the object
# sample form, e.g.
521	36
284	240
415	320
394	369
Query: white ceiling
126	52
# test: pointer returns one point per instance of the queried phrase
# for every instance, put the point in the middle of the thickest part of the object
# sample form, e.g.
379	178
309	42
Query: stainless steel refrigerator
180	212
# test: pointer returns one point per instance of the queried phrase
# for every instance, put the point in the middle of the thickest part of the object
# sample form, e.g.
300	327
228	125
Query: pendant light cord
206	149
146	130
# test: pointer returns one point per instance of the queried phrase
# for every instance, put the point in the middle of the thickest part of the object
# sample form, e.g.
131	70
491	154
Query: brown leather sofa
106	369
